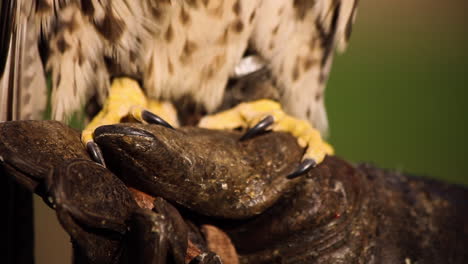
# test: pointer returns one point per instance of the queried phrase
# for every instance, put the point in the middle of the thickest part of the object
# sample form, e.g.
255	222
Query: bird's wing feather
78	38
6	27
7	9
23	92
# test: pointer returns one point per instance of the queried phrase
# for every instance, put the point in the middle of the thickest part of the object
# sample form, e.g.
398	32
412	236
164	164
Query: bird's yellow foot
262	114
126	100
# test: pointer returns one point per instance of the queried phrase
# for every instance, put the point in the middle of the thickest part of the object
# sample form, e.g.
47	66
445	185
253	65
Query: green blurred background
395	98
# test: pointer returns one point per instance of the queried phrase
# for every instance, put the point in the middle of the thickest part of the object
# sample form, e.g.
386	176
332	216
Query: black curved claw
258	128
206	258
304	167
154	119
95	153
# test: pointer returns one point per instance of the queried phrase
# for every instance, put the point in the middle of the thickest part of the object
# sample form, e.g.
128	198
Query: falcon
140	57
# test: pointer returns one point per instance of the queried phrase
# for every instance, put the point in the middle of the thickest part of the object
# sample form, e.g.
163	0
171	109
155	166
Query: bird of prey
135	55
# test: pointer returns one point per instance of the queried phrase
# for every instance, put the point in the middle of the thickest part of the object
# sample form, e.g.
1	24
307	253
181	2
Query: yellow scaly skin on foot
246	115
127	99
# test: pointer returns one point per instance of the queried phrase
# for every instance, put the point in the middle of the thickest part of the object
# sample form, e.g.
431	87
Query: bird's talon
152	118
303	168
246	114
95	153
258	128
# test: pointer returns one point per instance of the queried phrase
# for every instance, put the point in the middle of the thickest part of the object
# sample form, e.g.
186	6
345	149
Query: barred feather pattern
23	90
298	39
33	94
180	48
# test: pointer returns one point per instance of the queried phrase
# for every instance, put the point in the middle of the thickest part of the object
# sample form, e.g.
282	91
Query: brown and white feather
180	48
298	38
23	86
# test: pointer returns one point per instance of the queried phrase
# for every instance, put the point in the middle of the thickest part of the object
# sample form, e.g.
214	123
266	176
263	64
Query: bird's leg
262	114
126	99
